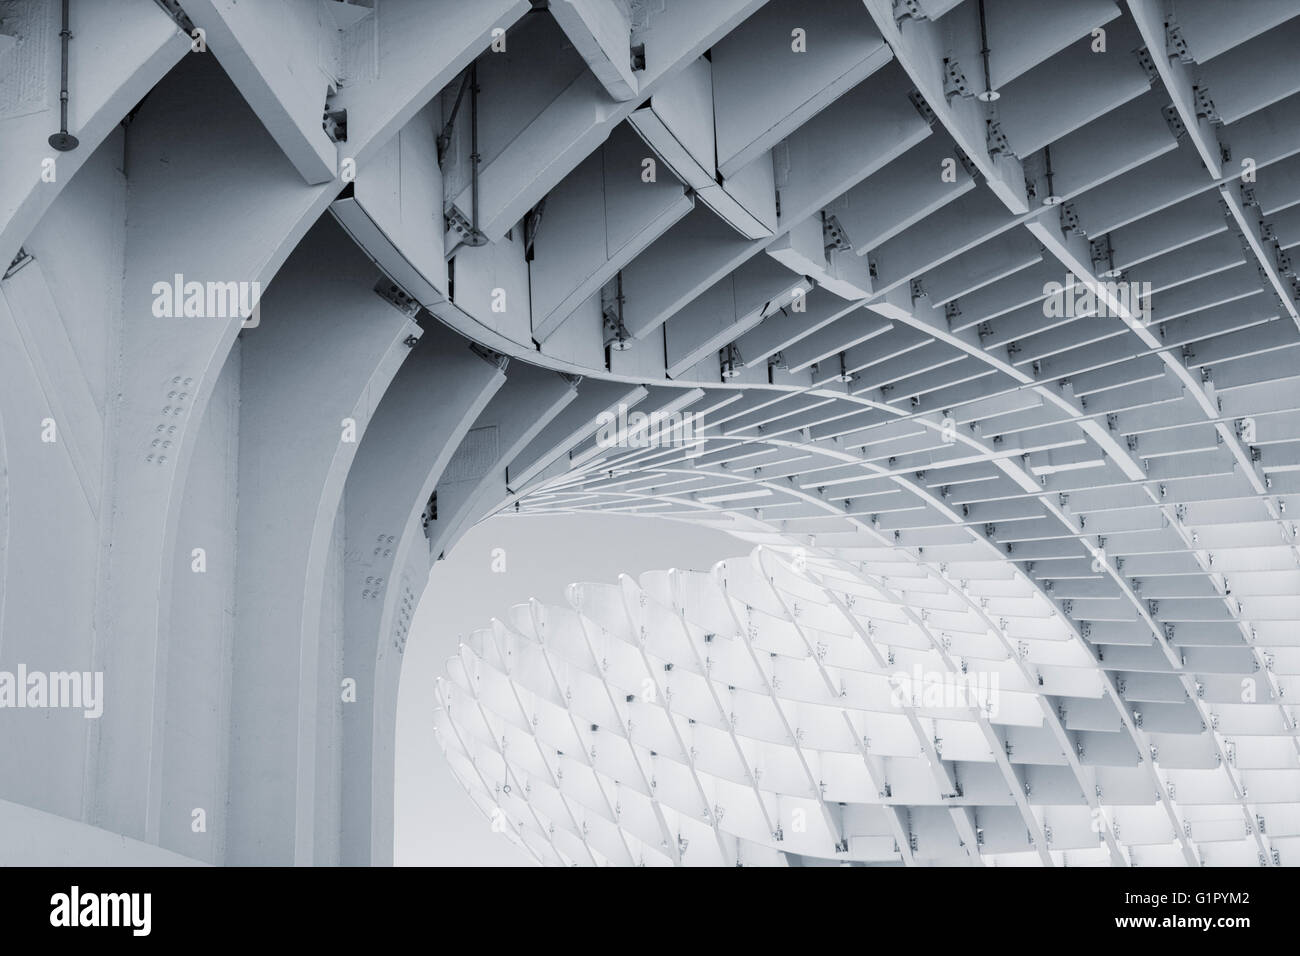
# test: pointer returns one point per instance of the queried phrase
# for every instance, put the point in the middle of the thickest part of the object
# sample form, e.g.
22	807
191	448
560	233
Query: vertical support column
425	414
54	392
314	368
196	692
236	229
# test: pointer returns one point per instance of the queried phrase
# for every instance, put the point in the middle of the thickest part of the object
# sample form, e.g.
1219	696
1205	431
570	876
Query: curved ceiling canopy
976	318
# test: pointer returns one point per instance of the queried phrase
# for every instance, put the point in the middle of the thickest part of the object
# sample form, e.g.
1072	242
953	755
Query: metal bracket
1174	121
954	81
1204	105
23	258
1148	65
1175	45
967	163
1282	260
833	235
1102	253
905	9
487	355
1070	220
996	140
922	107
459	224
397	297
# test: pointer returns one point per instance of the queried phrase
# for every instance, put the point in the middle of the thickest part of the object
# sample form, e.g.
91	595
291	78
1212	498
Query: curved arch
898	406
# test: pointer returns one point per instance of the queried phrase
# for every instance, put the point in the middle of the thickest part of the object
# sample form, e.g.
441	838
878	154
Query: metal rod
1047	162
989	95
476	238
984	47
64	141
444	137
